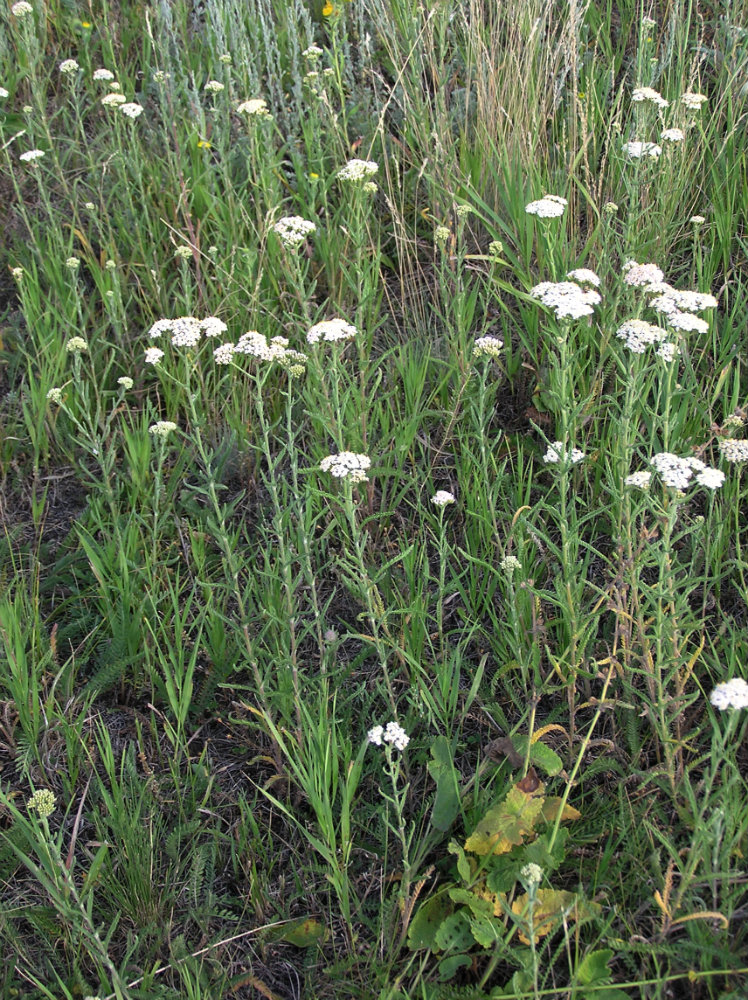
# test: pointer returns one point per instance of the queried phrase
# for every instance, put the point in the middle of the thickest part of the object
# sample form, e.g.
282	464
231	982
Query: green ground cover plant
372	428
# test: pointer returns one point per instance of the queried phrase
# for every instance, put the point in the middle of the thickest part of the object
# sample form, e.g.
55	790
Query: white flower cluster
31	155
103	74
640	480
292	230
153	355
641	94
22	9
678	472
487	347
557	453
162	428
639	275
213	87
442	498
638	335
679	306
76	345
636	150
672	135
347	465
4	93
734	449
550	206
113	100
358	171
131	109
392	733
730	694
257	107
693	102
55	395
566	299
68	66
186	330
584	276
510	564
331	330
257	345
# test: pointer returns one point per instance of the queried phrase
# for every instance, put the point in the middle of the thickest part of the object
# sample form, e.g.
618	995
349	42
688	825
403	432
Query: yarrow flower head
223	354
550	206
640	480
730	694
292	231
22	9
162	428
638	335
212	326
3	93
132	109
566	298
55	396
641	94
557	453
531	874
113	100
331	330
636	150
257	345
672	135
312	52
72	263
677	472
76	345
31	155
510	564
442	498
692	101
392	733
256	107
68	66
487	347
584	276
42	802
358	171
153	355
103	74
441	235
214	87
347	465
126	382
638	275
734	449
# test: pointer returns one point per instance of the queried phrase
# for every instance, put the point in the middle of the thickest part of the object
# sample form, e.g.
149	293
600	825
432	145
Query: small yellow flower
204	144
313	177
327	9
85	24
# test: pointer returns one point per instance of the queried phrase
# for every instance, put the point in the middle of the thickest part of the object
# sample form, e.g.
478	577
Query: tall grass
308	732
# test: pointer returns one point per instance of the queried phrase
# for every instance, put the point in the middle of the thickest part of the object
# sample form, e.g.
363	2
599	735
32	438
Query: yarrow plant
256	107
442	498
162	428
677	472
636	150
487	347
292	231
734	449
566	298
331	330
732	694
557	453
347	465
42	803
550	206
392	733
641	94
358	171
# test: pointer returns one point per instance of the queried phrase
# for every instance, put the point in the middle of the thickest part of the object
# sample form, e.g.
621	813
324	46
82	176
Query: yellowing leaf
551	807
550	906
508	824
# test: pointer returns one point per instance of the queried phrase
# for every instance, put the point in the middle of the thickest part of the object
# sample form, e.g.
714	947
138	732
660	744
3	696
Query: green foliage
199	626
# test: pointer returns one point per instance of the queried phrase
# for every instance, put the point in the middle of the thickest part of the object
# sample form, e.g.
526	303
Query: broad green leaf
485	931
594	967
454	933
449	965
538	852
441	768
550	905
304	933
427	921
